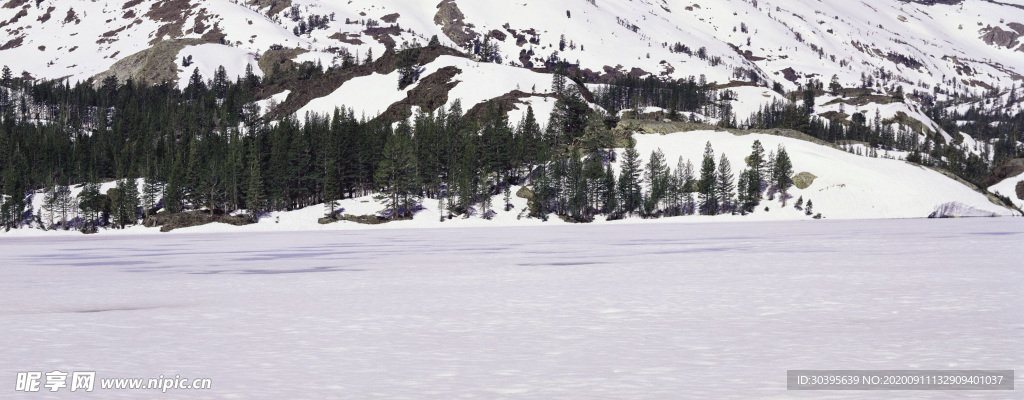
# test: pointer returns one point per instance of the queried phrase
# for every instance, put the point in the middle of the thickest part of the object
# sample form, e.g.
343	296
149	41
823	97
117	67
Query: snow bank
1008	188
848	186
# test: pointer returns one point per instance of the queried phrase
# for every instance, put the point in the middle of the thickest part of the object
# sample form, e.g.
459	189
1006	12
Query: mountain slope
920	44
892	81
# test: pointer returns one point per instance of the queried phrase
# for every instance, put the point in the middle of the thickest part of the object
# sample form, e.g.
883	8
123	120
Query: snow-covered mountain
967	46
965	53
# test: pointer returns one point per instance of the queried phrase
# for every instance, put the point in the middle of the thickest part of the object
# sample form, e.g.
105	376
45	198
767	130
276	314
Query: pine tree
656	174
609	200
706	184
220	82
331	182
6	76
50	203
810	207
66	204
743	200
689	186
809	101
150	195
630	194
783	170
126	203
725	186
407	65
397	174
196	85
254	194
90	203
174	193
757	166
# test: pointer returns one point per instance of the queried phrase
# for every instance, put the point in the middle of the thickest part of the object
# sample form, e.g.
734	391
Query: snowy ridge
968	47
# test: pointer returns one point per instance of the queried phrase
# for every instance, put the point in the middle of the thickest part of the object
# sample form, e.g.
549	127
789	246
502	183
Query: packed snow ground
575	312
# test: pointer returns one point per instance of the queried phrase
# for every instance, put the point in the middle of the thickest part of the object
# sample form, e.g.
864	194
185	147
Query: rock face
1008	169
169	222
1020	190
803	180
151	66
453	24
370	219
998	37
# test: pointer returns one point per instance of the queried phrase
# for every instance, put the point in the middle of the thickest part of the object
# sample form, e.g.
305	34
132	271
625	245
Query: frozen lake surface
660	311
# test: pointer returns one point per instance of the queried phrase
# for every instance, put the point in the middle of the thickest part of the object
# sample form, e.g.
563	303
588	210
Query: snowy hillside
846	186
968	47
868	84
1009	188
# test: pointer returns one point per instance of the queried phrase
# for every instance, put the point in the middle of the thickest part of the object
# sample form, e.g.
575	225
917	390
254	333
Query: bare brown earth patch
429	94
46	17
349	38
16	17
173	14
502	104
15	3
384	35
13	43
72	17
307	90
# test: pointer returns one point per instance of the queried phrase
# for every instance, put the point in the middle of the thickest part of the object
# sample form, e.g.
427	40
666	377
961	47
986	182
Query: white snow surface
847	185
715	311
367	96
1008	188
266	105
208	57
476	83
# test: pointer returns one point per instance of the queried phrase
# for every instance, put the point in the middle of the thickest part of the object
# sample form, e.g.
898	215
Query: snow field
848	186
207	58
628	311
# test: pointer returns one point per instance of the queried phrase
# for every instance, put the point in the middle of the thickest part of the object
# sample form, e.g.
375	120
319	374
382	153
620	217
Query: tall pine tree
707	183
